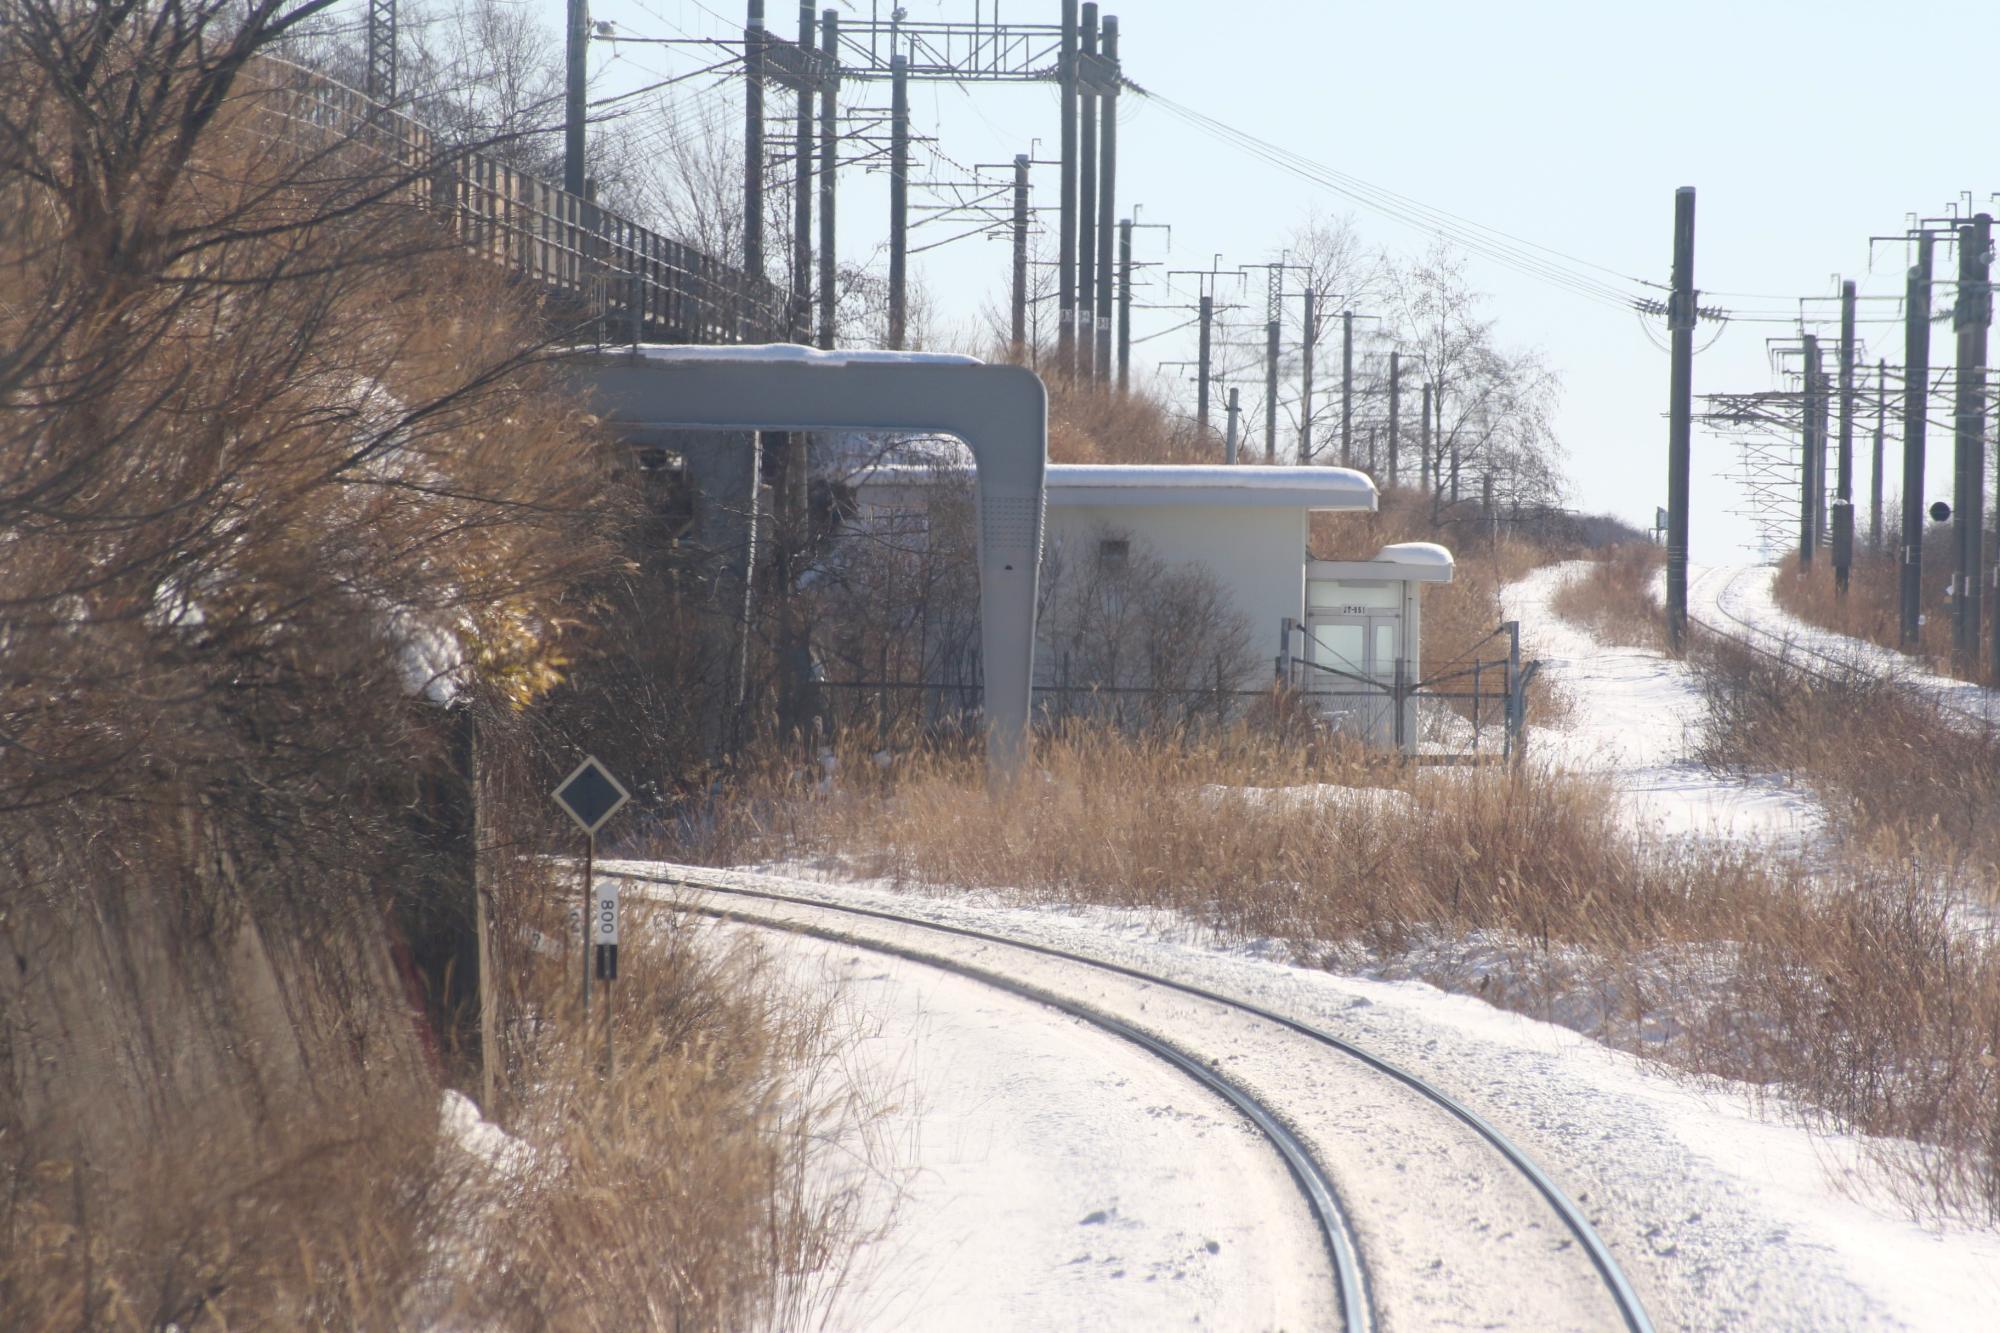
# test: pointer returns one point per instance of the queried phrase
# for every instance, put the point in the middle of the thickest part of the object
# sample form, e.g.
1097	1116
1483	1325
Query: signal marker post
590	796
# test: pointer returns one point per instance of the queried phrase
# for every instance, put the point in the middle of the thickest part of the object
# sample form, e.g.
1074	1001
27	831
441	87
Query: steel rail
1631	1310
1350	1286
1845	669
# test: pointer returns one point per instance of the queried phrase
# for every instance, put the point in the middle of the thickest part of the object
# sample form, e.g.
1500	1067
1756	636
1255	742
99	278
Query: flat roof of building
1247	486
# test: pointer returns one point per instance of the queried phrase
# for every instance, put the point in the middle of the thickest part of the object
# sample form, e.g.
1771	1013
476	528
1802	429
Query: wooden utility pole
1271	330
1843	483
829	161
1086	200
899	197
1309	338
800	314
1680	416
1916	408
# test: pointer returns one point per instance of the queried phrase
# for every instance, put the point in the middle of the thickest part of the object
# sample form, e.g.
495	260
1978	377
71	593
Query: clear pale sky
1805	128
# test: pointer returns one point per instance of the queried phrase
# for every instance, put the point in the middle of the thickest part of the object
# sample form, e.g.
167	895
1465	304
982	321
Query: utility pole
1680	417
1971	315
1020	323
802	193
1875	468
1916	407
1843	485
1809	473
1347	388
1201	372
753	140
1273	327
829	160
899	197
1229	440
1107	194
1066	240
382	50
1086	206
1424	441
1309	337
1395	404
575	69
1124	304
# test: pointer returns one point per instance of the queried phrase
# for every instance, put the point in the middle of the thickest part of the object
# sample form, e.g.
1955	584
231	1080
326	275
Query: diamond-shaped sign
590	795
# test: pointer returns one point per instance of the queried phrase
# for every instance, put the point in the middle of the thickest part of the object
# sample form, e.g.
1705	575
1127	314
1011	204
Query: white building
1337	629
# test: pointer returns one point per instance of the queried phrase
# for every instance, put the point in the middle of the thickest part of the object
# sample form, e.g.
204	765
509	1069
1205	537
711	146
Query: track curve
1631	1310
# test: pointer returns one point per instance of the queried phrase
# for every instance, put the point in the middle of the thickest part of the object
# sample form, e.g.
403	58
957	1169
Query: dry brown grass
681	1194
1613	598
1871	608
1849	991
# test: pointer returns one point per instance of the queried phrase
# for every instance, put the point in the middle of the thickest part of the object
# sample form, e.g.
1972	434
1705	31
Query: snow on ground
1632	719
1741	599
1722	1213
1056	1176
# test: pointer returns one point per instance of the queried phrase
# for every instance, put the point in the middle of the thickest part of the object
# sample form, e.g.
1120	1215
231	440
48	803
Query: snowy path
1632	714
1739	600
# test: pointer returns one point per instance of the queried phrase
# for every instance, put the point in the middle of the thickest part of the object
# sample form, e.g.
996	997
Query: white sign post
604	931
590	796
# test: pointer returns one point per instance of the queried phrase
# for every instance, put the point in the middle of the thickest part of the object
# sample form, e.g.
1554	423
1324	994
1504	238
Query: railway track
725	896
1788	650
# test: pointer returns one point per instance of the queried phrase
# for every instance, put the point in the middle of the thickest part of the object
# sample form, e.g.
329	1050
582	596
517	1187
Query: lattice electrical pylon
382	50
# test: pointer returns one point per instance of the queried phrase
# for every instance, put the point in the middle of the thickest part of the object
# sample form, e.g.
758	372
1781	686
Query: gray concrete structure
1001	412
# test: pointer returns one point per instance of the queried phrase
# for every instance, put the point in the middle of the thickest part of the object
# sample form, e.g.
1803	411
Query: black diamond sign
590	795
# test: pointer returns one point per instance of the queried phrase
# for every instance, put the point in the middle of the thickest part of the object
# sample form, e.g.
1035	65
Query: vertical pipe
1020	293
829	162
1066	240
1107	195
1680	417
1916	407
899	196
753	143
1309	336
1125	305
1086	203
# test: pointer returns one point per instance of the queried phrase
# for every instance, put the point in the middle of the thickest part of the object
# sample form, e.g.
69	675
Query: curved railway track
1787	650
1354	1298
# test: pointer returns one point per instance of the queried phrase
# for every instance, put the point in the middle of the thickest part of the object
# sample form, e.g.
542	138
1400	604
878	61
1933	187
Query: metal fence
634	282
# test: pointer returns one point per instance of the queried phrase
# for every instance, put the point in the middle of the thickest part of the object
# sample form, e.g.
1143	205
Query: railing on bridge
630	281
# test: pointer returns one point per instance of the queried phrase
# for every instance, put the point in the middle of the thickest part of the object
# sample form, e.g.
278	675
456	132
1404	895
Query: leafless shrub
1613	597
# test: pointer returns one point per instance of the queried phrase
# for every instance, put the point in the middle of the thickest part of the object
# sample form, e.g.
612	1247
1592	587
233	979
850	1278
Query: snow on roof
1072	484
1426	555
790	352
